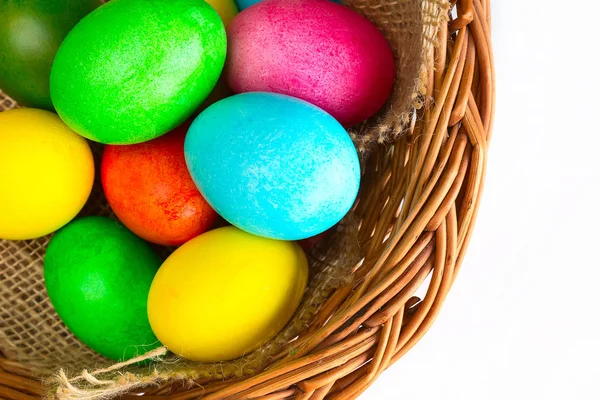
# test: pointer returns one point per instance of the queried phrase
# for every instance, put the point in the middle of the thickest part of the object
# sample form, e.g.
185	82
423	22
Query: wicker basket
423	170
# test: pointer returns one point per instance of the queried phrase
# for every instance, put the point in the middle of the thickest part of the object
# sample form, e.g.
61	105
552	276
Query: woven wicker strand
415	218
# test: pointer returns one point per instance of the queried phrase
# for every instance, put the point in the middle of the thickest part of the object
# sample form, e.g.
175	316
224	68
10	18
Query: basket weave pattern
414	218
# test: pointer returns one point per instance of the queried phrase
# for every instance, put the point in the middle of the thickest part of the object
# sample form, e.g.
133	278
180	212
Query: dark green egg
98	276
30	33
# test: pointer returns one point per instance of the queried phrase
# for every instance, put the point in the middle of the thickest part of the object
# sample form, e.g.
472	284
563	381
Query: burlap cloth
32	333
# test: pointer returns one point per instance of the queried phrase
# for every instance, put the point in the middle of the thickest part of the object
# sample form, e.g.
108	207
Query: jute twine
32	333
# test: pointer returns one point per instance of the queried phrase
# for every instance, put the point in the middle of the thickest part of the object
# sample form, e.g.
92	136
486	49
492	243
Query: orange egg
150	189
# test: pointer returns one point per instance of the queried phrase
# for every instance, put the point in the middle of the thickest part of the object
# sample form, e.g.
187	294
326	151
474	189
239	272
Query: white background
521	322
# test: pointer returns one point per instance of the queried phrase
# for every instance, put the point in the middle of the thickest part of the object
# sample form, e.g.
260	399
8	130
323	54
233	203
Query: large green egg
30	33
98	276
134	69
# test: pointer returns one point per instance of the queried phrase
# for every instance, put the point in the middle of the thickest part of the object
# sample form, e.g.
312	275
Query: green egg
98	275
133	70
30	33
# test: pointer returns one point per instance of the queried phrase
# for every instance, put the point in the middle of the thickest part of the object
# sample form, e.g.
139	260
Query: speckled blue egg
273	165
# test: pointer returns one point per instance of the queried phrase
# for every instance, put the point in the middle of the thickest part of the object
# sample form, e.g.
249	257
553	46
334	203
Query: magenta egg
315	50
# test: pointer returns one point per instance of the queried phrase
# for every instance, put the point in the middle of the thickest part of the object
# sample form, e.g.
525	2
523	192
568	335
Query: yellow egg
225	293
227	9
46	173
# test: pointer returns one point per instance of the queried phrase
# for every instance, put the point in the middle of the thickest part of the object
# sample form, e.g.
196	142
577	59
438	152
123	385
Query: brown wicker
414	220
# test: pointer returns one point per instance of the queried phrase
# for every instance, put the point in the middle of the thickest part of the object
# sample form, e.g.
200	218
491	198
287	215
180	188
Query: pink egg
316	50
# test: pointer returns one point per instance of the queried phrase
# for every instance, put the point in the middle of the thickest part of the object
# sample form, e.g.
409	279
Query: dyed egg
150	189
46	173
227	9
316	50
273	165
98	275
133	70
30	33
225	293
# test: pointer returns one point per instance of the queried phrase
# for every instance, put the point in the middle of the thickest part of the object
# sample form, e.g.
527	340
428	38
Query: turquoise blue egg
243	4
273	165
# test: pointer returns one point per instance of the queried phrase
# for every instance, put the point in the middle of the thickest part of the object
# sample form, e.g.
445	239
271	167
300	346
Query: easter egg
46	173
316	50
30	33
227	9
150	189
225	293
98	275
273	165
133	70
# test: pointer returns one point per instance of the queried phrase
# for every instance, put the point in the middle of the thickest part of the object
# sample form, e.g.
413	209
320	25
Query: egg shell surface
273	165
98	275
225	293
149	188
133	70
30	33
316	50
46	173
